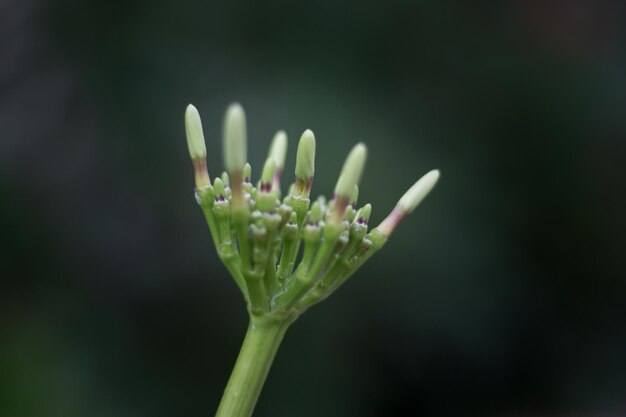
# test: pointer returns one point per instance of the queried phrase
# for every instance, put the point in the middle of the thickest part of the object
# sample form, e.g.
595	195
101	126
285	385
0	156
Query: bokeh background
504	294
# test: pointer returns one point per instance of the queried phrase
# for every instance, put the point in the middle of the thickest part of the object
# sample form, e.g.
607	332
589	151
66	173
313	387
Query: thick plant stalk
253	364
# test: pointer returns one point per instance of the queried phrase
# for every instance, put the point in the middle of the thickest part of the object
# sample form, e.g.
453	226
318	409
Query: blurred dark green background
504	294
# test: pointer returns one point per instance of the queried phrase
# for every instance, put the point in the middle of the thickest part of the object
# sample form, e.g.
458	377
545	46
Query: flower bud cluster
286	253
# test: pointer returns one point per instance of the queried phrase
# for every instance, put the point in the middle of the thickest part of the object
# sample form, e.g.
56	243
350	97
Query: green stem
241	230
288	260
231	262
269	279
259	300
253	364
285	265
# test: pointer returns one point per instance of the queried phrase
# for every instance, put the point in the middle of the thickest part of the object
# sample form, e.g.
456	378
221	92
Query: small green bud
221	207
348	179
268	174
358	229
196	145
351	171
235	146
350	209
218	186
195	136
226	178
278	149
245	180
316	214
290	230
418	191
363	215
247	172
305	166
305	158
349	213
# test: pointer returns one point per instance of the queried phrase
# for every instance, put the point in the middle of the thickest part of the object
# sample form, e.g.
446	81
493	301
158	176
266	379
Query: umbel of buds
284	253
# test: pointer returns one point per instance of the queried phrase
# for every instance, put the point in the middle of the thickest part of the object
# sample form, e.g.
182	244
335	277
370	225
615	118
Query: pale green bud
267	175
278	149
364	213
195	136
305	158
358	229
226	179
290	230
247	172
418	191
351	171
218	186
196	145
266	199
235	145
316	214
408	202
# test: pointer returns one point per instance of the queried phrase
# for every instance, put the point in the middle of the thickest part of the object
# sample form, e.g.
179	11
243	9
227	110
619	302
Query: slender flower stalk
258	237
